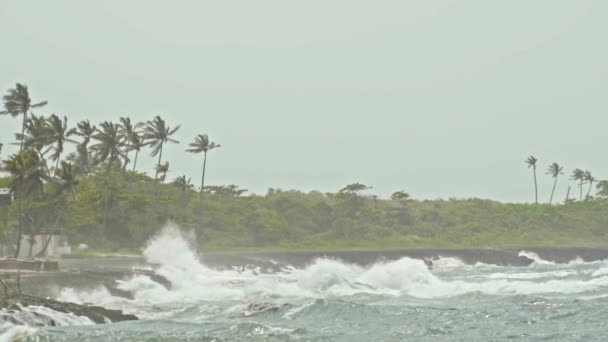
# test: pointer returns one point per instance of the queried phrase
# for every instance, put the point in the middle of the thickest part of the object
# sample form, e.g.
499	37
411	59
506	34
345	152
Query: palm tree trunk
203	177
553	191
20	211
22	131
57	164
580	186
107	197
128	148
45	247
567	195
160	156
589	191
535	187
135	161
202	188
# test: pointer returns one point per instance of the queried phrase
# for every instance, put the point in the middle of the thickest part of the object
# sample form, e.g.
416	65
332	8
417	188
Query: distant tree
589	179
130	135
231	190
578	175
66	179
400	196
36	135
28	175
353	189
202	144
137	144
64	185
157	133
183	183
602	188
162	169
84	130
109	145
554	170
531	161
107	149
58	135
18	102
350	199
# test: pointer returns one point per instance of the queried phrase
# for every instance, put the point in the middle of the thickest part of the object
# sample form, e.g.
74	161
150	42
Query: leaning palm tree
129	134
156	134
84	130
25	168
58	134
590	179
554	170
18	102
579	176
531	161
200	144
107	149
36	135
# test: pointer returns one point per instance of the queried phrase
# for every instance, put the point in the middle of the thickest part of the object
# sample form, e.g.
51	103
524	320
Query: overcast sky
439	98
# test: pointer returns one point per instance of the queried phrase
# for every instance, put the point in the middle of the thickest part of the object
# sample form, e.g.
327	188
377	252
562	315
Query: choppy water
329	300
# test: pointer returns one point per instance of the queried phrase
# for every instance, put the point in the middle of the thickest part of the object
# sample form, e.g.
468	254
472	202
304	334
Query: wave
18	333
536	260
192	281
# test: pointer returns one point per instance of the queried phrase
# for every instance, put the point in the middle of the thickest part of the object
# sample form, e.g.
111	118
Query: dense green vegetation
96	196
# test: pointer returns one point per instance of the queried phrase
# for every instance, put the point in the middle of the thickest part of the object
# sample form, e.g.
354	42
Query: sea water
331	300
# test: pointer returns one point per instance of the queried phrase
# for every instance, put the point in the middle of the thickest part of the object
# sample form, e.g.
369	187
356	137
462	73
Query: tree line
581	177
104	147
97	196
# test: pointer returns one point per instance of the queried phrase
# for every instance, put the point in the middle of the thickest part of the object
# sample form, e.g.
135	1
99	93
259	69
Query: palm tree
66	180
109	145
64	184
36	135
108	148
589	178
130	135
157	133
58	134
163	169
18	102
531	161
200	144
182	183
85	130
25	168
554	170
602	188
579	175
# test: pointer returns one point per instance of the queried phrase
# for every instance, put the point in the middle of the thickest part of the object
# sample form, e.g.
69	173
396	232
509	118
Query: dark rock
96	314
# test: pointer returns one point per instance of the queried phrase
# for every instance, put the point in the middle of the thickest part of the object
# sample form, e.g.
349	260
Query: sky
438	98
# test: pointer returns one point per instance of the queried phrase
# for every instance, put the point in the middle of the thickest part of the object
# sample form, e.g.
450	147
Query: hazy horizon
439	99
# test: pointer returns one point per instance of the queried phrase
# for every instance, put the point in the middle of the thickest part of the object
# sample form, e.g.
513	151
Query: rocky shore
13	310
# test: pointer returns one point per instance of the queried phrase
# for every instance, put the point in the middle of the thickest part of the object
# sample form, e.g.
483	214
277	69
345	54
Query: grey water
358	296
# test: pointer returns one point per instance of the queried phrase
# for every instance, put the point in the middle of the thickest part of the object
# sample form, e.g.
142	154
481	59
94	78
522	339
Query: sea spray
324	278
536	260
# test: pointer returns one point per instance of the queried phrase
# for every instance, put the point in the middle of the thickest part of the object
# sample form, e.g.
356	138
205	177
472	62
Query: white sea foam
18	333
326	278
537	260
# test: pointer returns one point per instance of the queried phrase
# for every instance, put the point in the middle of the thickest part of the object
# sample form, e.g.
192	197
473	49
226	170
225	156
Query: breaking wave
192	281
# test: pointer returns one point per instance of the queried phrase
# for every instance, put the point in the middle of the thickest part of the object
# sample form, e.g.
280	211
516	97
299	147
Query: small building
6	196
